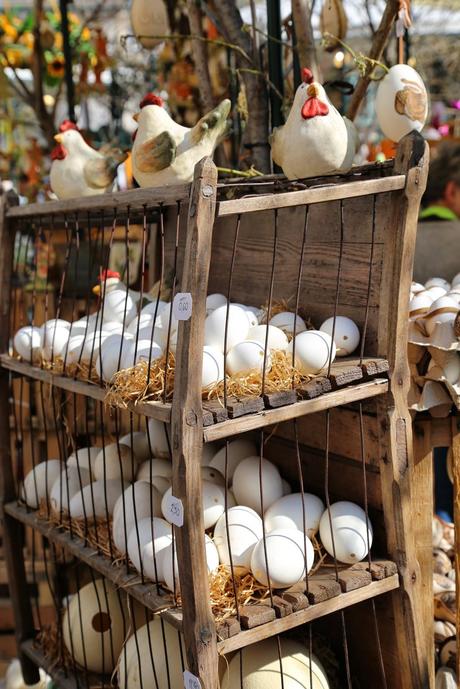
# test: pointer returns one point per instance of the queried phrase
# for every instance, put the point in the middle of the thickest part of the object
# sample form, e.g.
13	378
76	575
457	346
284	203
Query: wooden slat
267	417
135	199
156	410
144	593
312	612
310	196
60	678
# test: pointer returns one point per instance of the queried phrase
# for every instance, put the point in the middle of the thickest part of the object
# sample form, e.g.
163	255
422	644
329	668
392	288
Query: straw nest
95	532
135	385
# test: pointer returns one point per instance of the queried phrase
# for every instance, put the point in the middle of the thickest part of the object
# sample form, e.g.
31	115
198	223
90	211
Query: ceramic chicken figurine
110	280
164	152
315	140
79	170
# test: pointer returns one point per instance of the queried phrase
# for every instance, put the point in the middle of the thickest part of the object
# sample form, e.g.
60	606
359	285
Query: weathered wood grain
187	433
271	416
310	196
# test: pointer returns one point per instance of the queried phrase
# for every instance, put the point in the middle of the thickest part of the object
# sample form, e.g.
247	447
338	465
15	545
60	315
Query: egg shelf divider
350	380
369	218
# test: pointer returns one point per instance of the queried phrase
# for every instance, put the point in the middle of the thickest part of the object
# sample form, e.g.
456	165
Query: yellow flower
56	67
27	39
86	34
9	30
14	56
58	42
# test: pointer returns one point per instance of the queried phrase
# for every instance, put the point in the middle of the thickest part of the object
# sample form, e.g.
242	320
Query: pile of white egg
435	303
120	336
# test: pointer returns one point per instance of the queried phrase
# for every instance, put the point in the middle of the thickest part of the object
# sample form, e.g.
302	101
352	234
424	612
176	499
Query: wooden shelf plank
63	679
320	194
157	410
267	417
312	612
144	593
134	198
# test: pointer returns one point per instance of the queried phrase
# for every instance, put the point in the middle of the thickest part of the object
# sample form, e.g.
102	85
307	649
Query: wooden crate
246	240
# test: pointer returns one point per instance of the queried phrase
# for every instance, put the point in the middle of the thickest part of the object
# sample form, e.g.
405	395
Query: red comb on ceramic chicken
77	168
164	152
315	140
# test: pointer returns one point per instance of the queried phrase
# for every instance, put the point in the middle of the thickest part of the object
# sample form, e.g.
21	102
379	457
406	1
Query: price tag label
190	681
182	306
174	511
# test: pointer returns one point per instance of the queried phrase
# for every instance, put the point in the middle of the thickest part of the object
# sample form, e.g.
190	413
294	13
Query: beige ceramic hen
164	152
77	168
315	140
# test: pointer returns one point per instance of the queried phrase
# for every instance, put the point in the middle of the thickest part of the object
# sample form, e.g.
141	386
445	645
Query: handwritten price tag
174	511
190	681
182	306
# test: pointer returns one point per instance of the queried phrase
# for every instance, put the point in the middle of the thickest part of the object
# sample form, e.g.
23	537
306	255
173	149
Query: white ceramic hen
315	140
164	152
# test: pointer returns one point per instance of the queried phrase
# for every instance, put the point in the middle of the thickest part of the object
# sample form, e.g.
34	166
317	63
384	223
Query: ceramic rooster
79	170
315	140
164	152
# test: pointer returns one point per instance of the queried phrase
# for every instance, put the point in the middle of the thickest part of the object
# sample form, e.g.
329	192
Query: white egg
277	339
167	320
288	513
155	307
442	310
420	303
145	320
287	321
110	354
232	453
214	327
213	301
212	475
456	280
138	669
437	282
138	501
431	323
39	482
246	357
451	368
252	318
92	344
170	566
261	667
160	336
75	349
84	457
159	435
78	328
313	351
71	480
213	502
401	102
97	499
95	625
154	467
281	561
142	350
246	483
119	306
436	292
27	342
54	341
259	313
138	441
445	303
416	287
213	366
109	326
349	532
146	543
346	334
115	460
244	531
54	323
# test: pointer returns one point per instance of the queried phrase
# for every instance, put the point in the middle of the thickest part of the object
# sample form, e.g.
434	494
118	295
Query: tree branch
379	42
200	56
305	42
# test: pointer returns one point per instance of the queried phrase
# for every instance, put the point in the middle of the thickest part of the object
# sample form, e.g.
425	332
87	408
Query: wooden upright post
12	529
397	460
187	433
